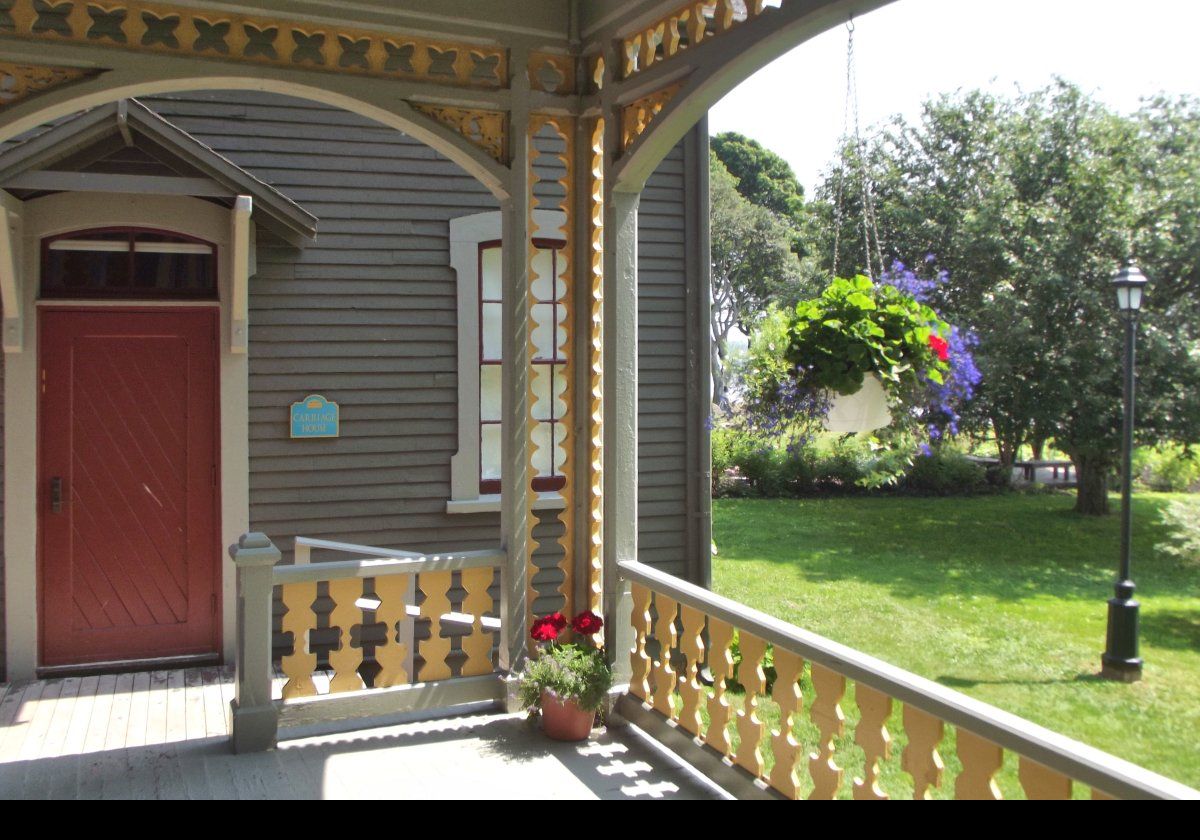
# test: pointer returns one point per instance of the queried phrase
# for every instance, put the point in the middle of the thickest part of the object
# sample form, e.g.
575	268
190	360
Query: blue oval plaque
314	417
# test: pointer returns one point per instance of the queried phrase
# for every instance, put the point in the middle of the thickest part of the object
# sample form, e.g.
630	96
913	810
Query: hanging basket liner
863	411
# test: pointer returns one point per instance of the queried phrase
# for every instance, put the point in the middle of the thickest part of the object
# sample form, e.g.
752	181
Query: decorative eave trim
258	39
20	81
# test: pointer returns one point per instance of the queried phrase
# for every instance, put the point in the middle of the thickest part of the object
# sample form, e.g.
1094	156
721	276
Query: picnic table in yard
1041	471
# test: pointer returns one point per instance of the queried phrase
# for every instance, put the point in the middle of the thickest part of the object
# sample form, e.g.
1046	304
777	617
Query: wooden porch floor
163	735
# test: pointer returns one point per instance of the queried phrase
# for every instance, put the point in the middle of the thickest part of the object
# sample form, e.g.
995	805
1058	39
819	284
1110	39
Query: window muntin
135	263
547	369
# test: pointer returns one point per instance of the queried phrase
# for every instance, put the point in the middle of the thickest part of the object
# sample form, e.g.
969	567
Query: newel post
255	716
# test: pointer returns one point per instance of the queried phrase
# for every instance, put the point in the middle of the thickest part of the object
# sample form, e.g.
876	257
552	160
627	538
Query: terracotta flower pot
563	720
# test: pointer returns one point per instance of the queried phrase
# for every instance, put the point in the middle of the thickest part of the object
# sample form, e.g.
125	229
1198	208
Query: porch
165	735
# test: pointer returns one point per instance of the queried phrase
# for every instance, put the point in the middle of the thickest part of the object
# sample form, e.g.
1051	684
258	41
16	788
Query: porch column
515	472
620	420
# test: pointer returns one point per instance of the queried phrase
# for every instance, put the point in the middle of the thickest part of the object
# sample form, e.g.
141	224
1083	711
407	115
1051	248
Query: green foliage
944	472
1182	519
571	672
856	328
1031	204
752	266
1170	467
763	177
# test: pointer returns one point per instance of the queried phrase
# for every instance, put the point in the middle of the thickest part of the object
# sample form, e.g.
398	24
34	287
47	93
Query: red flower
547	628
587	623
940	346
544	630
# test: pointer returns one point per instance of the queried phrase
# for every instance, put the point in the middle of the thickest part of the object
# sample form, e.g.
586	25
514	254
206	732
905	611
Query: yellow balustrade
392	653
478	644
435	650
345	659
668	689
299	620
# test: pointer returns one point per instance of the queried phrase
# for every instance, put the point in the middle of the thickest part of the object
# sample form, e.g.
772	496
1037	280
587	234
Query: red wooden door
127	491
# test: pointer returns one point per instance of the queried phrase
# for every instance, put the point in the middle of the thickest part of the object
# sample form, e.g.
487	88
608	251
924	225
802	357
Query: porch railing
362	644
723	733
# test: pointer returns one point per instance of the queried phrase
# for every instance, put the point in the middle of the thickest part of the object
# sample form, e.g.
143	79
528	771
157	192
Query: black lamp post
1120	660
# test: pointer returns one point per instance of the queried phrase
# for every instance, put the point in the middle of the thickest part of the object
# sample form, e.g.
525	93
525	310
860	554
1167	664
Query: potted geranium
566	681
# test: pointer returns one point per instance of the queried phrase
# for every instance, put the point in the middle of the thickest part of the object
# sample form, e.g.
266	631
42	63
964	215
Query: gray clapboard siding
667	428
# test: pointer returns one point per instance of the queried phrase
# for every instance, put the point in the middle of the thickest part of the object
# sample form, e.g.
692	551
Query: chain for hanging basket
870	230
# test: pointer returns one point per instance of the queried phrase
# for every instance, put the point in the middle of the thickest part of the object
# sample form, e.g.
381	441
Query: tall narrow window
547	373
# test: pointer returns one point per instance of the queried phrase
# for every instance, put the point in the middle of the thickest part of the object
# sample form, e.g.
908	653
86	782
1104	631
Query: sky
911	50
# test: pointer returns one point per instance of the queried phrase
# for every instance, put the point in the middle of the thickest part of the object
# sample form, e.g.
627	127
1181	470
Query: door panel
128	433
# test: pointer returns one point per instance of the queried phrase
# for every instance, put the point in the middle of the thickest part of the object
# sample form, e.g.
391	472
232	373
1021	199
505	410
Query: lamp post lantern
1121	660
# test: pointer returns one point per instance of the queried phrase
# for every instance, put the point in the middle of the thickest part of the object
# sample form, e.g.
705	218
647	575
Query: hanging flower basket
868	348
863	411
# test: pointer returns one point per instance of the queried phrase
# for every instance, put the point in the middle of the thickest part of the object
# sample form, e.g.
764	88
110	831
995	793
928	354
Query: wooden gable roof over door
125	147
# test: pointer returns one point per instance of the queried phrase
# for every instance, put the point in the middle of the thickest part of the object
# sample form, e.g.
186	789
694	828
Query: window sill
490	503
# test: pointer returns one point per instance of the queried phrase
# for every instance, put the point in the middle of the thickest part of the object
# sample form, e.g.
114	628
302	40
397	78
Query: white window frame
467	233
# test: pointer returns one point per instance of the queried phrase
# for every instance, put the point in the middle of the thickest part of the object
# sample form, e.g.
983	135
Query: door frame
212	310
61	213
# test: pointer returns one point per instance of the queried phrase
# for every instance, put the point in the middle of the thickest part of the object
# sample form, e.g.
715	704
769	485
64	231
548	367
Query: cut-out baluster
1040	782
826	712
435	586
691	645
921	758
720	663
639	661
346	614
981	760
664	674
298	666
872	735
784	745
478	645
392	655
751	729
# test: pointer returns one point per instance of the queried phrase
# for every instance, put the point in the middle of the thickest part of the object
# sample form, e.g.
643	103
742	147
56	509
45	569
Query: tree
1032	204
752	266
763	178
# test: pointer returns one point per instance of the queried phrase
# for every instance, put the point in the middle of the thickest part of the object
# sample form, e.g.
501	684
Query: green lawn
1001	597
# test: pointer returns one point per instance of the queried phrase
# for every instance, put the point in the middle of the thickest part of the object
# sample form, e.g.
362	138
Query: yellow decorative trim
564	127
20	81
690	24
637	115
595	427
552	72
486	129
162	28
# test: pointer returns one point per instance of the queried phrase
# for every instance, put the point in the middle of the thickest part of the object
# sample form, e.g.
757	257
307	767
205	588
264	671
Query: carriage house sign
314	417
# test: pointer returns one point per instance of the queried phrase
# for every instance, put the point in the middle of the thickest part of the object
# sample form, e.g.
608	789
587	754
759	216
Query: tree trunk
1091	498
1038	444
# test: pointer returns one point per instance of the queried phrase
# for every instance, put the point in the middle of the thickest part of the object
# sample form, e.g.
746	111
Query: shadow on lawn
1174	629
966	683
932	548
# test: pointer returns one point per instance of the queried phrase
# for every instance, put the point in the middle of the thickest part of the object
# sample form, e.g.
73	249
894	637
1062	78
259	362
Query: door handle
56	501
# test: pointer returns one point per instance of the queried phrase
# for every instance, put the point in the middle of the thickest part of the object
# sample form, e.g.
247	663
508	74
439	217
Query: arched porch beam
376	99
712	69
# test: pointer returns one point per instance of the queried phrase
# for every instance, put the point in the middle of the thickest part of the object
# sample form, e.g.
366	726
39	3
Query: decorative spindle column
620	421
516	474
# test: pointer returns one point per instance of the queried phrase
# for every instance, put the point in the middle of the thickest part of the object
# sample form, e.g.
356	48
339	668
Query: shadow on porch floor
164	736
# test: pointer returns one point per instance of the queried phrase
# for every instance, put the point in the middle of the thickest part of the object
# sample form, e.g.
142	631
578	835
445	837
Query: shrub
1182	518
945	473
1170	467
